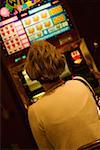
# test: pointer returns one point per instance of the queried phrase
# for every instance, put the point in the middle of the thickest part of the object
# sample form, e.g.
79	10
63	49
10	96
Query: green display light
17	60
24	57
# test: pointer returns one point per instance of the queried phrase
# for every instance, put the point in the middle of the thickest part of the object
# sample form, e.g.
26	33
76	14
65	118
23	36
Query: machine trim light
38	9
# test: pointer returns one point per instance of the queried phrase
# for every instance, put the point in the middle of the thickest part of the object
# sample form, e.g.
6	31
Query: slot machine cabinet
48	20
81	62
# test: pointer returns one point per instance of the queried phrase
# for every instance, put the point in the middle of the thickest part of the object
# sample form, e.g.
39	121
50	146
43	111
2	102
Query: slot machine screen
46	21
13	35
75	59
33	88
33	85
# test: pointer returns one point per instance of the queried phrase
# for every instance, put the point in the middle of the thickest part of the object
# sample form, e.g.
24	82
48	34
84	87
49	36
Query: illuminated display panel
46	21
33	85
33	88
13	35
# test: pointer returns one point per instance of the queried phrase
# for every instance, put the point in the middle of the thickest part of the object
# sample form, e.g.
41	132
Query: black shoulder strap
83	81
90	88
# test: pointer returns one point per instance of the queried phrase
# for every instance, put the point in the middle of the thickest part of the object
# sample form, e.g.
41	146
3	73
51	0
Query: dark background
86	14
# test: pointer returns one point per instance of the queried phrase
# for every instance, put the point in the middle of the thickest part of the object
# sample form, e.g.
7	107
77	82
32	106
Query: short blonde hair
44	61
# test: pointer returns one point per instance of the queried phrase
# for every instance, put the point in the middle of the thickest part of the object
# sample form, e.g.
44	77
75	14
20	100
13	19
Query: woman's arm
37	130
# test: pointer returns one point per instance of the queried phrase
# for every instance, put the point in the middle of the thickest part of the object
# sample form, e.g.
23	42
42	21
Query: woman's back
66	118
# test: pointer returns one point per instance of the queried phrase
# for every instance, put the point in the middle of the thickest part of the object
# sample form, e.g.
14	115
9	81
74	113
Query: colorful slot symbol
39	27
44	15
27	21
76	57
47	23
31	30
36	18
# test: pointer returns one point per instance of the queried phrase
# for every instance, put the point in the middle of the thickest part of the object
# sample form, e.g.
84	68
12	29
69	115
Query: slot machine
46	20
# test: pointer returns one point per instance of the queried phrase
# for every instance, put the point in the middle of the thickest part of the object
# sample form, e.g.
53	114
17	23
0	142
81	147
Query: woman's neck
49	86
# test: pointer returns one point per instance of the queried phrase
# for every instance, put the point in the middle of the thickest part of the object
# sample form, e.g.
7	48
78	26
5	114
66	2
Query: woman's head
44	62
